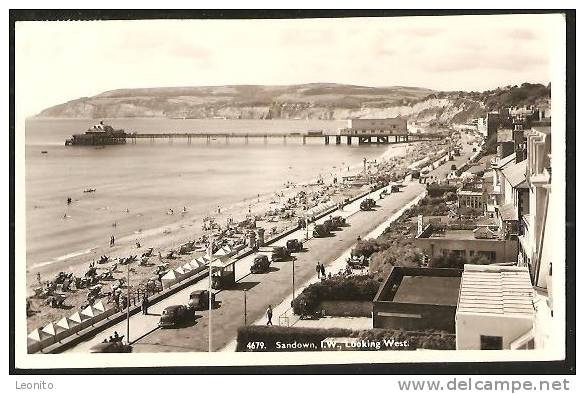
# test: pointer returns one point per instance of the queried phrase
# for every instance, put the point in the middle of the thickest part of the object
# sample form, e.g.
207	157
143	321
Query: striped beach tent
99	306
38	335
78	318
66	323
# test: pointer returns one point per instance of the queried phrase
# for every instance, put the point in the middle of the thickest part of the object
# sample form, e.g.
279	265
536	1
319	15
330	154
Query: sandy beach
187	226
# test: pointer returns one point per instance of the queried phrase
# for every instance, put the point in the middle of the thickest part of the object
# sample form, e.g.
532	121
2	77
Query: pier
327	138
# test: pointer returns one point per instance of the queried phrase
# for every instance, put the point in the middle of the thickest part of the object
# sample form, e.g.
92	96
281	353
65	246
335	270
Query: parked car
394	189
338	221
358	261
280	253
199	300
474	150
367	204
321	231
111	347
453	167
294	245
175	314
329	224
260	265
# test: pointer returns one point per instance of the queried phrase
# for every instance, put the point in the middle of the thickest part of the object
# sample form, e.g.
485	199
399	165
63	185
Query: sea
137	184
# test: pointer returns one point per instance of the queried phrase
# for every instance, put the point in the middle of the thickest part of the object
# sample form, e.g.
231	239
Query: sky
60	61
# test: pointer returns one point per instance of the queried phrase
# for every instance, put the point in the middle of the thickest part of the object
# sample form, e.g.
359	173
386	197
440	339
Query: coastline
183	230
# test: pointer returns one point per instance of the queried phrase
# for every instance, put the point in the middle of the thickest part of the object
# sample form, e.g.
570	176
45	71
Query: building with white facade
495	309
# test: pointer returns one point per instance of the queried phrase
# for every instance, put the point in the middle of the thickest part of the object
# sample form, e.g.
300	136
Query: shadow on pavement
244	286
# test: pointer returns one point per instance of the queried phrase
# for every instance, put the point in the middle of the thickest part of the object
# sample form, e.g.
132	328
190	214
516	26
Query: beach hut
68	325
92	314
80	319
57	331
37	335
99	306
37	340
170	278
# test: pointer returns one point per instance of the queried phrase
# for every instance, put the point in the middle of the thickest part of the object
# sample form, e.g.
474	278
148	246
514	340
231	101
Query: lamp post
128	302
245	308
293	277
210	253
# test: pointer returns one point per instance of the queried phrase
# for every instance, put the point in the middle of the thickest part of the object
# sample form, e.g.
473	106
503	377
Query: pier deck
373	138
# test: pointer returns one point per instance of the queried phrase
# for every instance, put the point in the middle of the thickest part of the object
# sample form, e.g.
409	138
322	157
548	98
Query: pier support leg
337	139
348	140
265	139
304	140
284	139
246	139
207	139
326	140
227	140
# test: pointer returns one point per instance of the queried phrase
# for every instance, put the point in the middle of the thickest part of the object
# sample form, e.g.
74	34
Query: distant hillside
307	101
312	101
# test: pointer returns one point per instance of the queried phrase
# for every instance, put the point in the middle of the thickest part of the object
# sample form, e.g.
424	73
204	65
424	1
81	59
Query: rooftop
461	235
516	174
491	289
425	286
433	290
505	161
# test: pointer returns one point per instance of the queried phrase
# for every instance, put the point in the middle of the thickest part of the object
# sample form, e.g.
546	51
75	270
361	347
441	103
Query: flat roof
453	234
433	290
491	289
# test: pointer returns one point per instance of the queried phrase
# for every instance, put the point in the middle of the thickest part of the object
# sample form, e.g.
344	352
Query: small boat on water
90	190
44	152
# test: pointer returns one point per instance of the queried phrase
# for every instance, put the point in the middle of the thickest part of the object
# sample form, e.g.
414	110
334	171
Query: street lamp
128	302
293	277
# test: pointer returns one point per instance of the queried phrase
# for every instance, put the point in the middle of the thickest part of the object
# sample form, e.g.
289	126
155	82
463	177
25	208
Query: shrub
353	288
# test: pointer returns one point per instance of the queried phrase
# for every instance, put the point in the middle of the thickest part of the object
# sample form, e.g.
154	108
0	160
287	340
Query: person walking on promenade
39	278
318	269
111	241
145	305
323	271
269	315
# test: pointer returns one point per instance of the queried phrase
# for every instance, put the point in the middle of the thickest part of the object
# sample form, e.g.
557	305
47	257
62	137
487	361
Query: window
490	255
491	343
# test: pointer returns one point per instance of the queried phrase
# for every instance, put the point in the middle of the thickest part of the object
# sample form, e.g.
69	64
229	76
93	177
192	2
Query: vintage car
394	189
260	265
453	167
320	231
174	315
199	300
338	221
294	245
111	347
280	253
358	261
367	204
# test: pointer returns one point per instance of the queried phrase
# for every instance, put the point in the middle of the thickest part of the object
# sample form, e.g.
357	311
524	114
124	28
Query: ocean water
136	184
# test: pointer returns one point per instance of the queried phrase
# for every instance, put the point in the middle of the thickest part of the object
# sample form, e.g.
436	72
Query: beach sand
188	227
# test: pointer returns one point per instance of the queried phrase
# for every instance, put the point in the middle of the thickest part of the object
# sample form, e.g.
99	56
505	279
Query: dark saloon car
174	315
199	300
260	265
111	347
280	253
294	245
